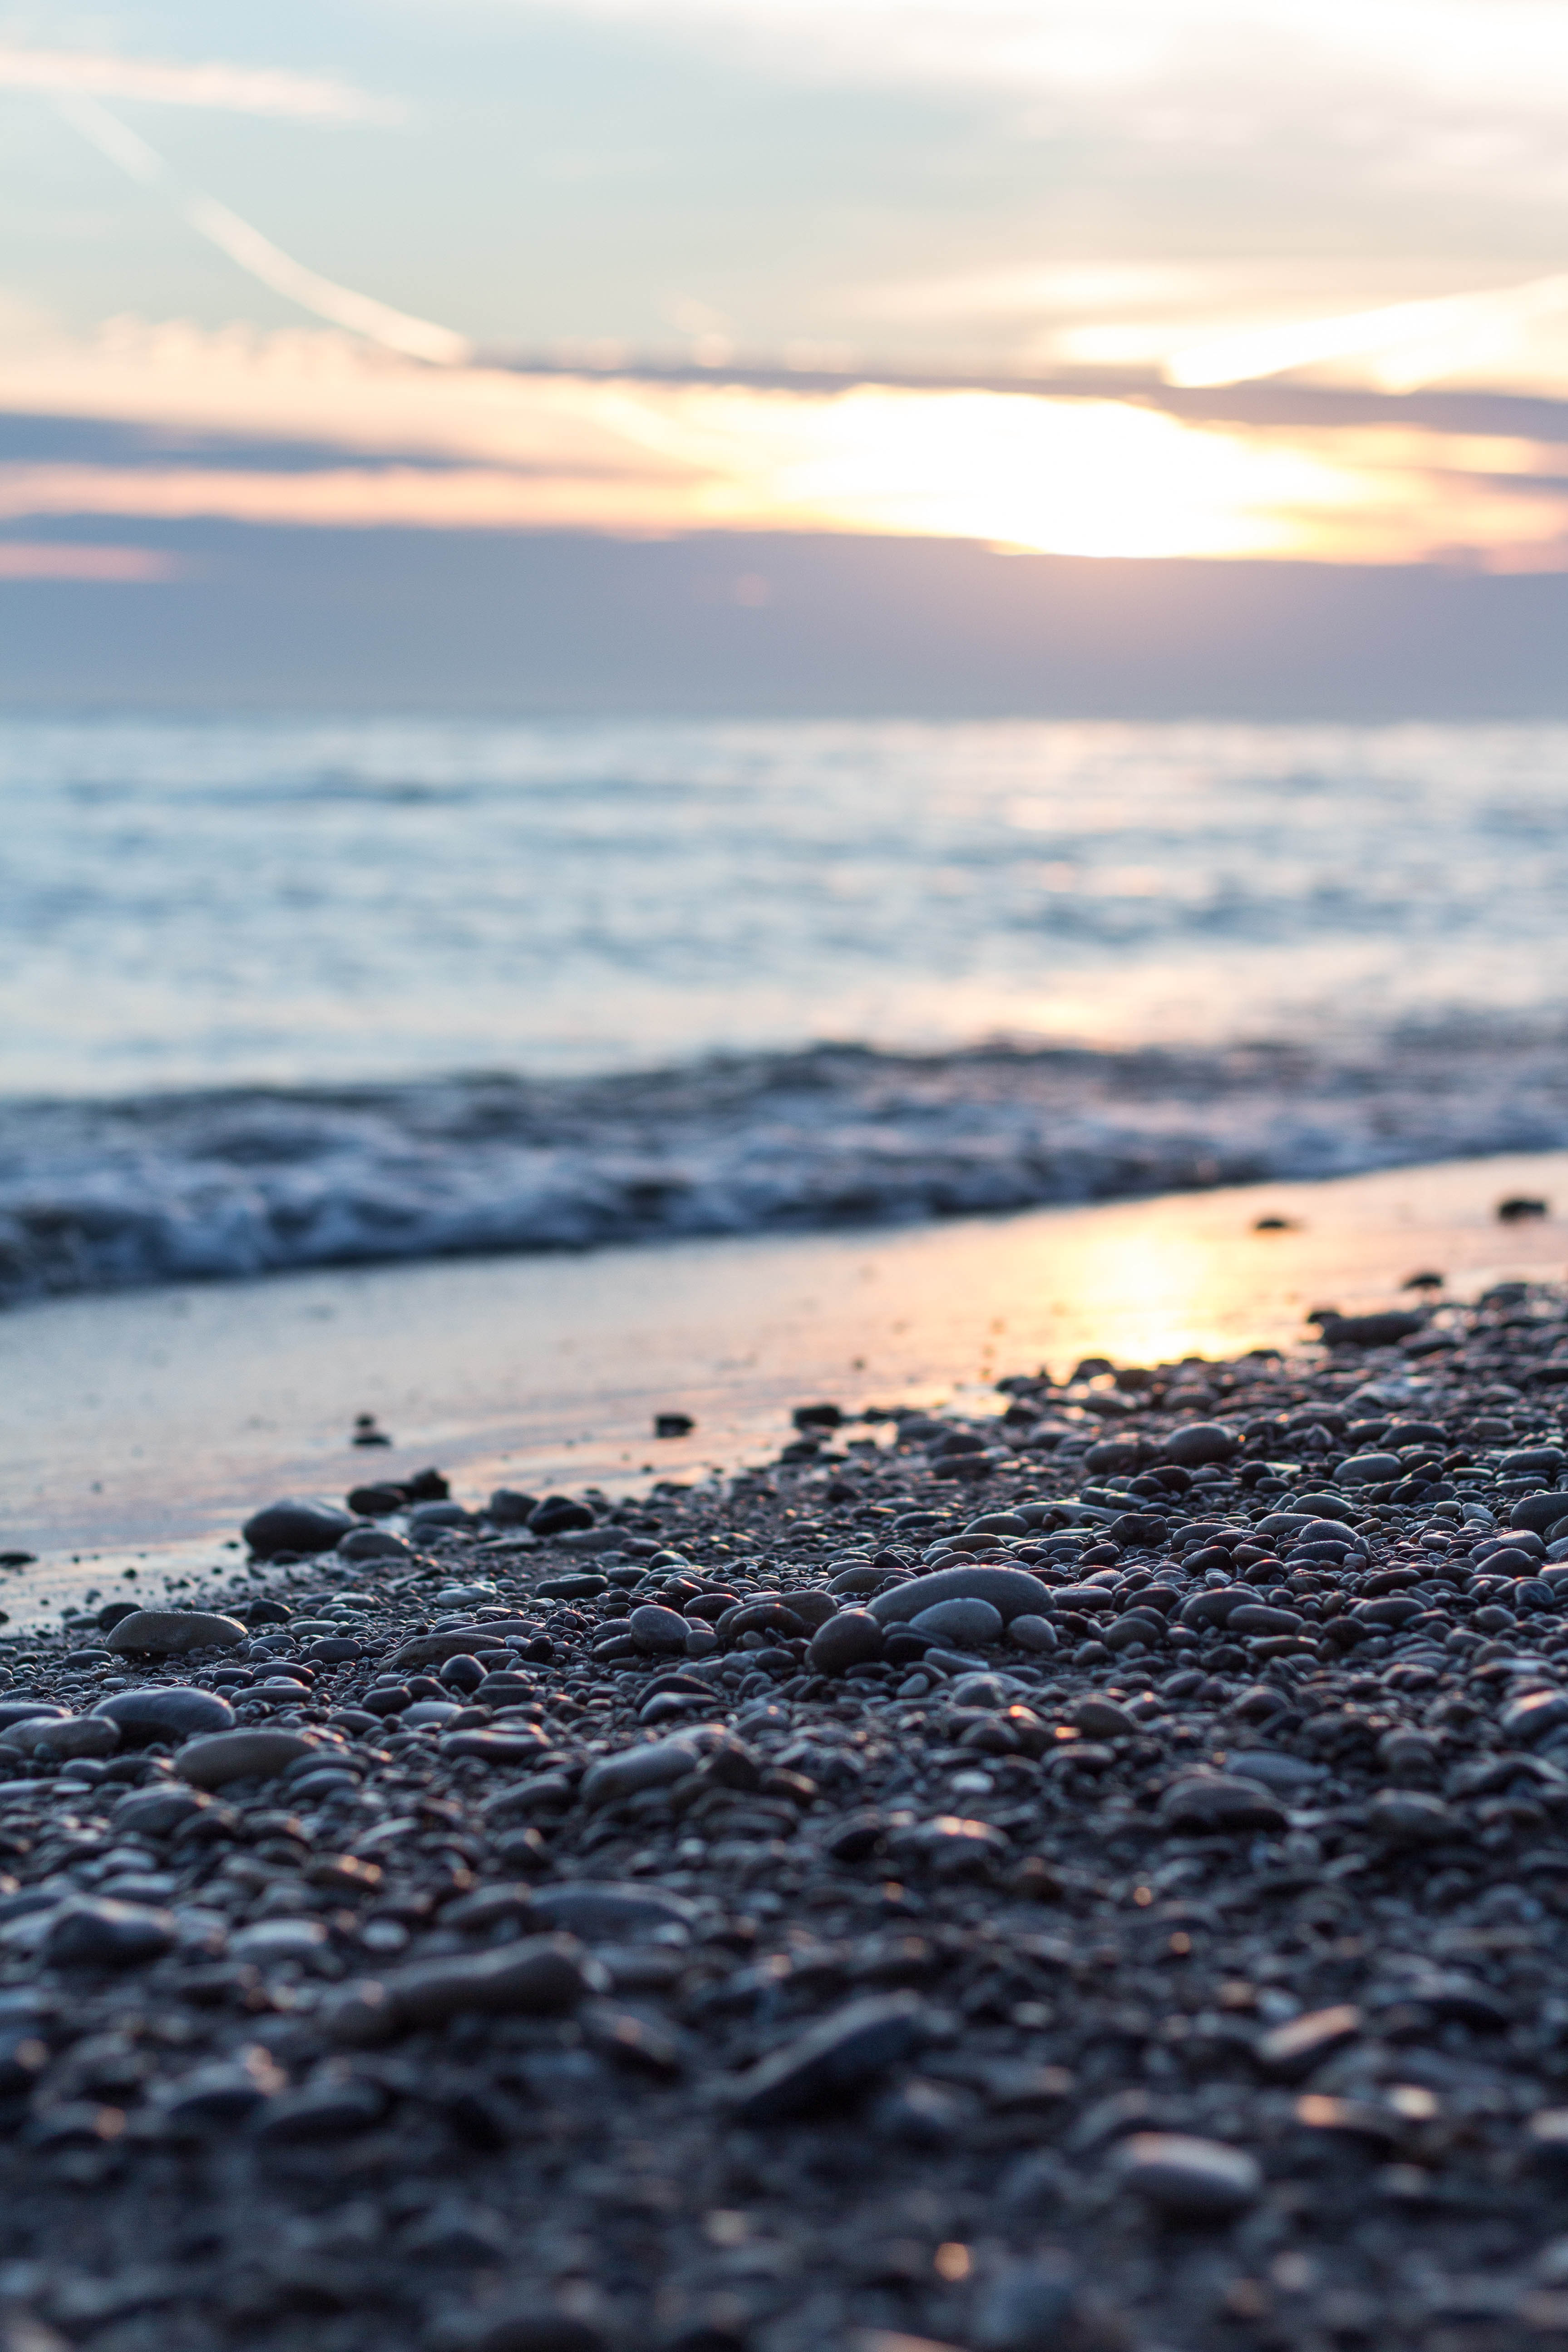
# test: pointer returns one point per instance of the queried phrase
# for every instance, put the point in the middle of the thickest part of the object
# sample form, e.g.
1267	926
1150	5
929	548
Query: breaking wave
246	1181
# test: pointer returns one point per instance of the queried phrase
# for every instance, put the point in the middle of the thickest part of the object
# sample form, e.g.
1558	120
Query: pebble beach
1090	1878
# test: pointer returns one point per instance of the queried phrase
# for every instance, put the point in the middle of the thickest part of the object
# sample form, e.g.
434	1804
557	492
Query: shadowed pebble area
1086	1877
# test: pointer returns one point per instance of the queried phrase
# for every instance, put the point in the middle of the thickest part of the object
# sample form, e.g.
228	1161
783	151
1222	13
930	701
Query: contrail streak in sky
418	339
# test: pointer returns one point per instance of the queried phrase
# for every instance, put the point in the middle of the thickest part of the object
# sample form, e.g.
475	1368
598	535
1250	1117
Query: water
278	995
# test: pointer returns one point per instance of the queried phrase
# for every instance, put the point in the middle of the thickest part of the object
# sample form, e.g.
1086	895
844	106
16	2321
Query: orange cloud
133	566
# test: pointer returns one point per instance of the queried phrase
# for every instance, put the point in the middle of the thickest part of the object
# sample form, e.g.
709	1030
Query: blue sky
956	180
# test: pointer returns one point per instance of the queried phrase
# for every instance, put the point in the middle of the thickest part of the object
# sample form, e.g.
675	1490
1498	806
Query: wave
176	1186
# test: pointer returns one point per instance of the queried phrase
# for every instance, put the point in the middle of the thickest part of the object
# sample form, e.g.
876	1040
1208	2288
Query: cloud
119	566
1401	345
233	89
477	450
1465	48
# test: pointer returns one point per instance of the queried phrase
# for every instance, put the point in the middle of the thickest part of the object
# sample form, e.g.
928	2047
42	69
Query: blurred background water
196	904
288	993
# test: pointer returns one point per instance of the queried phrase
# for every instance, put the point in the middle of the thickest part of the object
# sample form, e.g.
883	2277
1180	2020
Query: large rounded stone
175	1712
98	1932
158	1811
1370	1470
172	1632
1208	1802
960	1621
558	1514
1412	1817
68	1736
26	1710
239	1756
852	1638
457	1641
373	1543
1525	1720
1010	1591
655	1629
616	1778
296	1525
1201	1441
1036	1633
1545	1515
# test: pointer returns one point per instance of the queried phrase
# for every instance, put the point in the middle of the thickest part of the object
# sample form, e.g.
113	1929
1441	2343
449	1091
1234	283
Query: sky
1141	279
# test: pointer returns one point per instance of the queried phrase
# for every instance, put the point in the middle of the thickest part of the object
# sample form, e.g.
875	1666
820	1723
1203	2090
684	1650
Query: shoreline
145	1423
1090	1879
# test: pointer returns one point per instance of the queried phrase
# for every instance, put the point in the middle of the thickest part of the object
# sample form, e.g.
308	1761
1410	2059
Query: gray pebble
98	1932
173	1711
837	2057
1188	2180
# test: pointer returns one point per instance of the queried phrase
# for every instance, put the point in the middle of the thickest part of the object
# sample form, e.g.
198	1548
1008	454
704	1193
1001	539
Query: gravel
1107	1896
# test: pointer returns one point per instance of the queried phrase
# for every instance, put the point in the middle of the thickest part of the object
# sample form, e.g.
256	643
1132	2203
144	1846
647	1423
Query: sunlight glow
471	448
1422	339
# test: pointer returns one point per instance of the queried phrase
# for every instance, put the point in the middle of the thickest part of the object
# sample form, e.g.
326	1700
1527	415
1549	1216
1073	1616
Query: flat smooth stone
171	1632
258	1755
173	1711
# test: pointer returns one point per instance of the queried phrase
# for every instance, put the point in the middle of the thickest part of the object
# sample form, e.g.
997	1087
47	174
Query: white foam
100	1195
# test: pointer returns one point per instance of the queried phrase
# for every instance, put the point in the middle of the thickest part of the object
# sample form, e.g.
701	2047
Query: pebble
616	1778
224	1756
834	2058
1011	1591
857	1968
329	2108
67	1735
1187	2179
1197	1442
975	1622
170	1711
372	1543
174	1632
657	1630
98	1932
1219	1800
26	1710
1410	1817
157	1811
1303	2042
542	1976
854	1637
1033	1633
296	1526
216	2098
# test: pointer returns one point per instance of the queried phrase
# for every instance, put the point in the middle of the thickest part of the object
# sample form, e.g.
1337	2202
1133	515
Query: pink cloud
27	560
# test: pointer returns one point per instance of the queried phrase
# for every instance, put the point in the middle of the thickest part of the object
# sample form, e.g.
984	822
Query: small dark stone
1201	1441
98	1933
852	1638
172	1711
1187	2179
834	2058
376	1502
297	1525
330	2107
1217	1800
558	1514
509	1508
